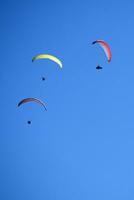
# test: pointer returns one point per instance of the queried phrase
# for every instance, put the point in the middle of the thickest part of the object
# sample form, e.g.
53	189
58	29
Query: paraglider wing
105	47
48	56
31	100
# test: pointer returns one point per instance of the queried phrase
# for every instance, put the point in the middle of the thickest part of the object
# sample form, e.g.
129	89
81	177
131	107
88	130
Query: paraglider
105	47
27	100
99	67
48	56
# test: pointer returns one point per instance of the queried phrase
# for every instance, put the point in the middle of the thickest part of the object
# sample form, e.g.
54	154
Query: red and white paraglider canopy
105	47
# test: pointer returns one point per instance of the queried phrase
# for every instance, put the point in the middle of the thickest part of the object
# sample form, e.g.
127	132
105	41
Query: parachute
47	56
32	100
105	47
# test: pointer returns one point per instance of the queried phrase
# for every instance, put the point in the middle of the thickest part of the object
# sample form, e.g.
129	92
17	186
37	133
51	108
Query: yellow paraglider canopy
48	56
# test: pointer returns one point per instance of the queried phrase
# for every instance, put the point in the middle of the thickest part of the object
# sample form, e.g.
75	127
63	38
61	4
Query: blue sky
82	148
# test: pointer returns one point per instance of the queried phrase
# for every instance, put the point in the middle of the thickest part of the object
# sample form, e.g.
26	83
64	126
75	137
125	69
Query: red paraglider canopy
105	47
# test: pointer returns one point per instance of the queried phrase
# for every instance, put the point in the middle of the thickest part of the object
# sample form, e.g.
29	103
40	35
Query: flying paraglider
48	56
105	47
27	100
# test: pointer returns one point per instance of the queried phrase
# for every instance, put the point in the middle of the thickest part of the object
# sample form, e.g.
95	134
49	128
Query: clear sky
83	146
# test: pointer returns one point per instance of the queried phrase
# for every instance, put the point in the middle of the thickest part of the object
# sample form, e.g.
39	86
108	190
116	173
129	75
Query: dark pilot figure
43	78
29	122
99	67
